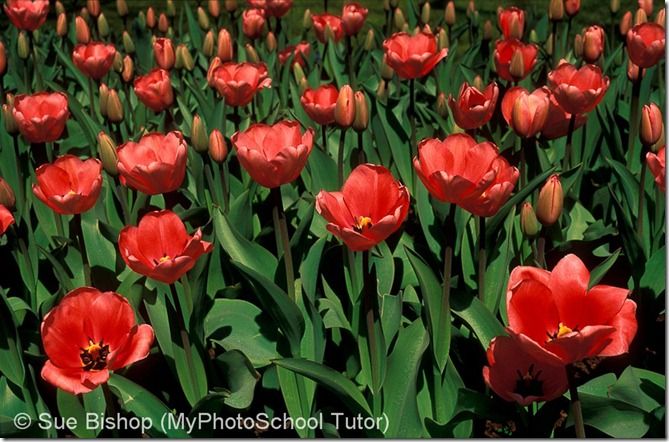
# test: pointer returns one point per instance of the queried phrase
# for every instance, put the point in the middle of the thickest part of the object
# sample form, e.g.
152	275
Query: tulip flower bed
213	223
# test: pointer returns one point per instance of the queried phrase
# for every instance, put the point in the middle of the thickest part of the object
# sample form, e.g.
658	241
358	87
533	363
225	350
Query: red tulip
571	7
578	90
155	90
301	51
460	171
558	311
3	59
320	103
371	206
224	50
70	185
6	219
645	44
156	164
321	21
519	370
593	43
163	52
557	121
657	167
412	56
27	15
253	22
160	248
260	4
41	117
353	17
652	124
88	334
646	5
525	112
94	59
239	82
512	22
278	8
504	52
273	155
474	108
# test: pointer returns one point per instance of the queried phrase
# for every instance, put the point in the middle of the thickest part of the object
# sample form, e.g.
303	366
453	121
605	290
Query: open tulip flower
299	52
320	103
461	171
558	311
155	164
6	219
656	164
41	117
412	56
353	17
87	335
370	207
70	185
557	120
155	90
239	82
578	90
645	44
473	108
506	50
273	155
525	112
512	22
322	21
160	248
27	15
94	59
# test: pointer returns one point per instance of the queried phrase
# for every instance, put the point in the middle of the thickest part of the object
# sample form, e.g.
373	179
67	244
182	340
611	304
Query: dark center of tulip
529	384
361	222
94	357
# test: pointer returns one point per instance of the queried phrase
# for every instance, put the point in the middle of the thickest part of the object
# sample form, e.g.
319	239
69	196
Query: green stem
122	195
82	249
324	136
575	404
185	340
541	250
555	49
349	62
49	147
642	196
226	189
340	156
371	319
281	232
91	98
567	149
412	115
634	120
482	258
38	75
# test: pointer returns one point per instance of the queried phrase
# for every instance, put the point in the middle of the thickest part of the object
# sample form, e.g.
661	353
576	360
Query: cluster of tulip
555	319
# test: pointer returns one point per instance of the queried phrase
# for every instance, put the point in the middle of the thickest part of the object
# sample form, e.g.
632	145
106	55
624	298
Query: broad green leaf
477	317
11	361
240	376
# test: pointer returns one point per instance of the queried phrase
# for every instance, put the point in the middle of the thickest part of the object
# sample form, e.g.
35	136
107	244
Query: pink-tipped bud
93	7
61	25
224	45
82	32
625	23
218	149
652	125
128	69
114	107
345	107
3	59
214	8
151	21
551	201
7	197
529	224
449	13
163	23
361	120
198	135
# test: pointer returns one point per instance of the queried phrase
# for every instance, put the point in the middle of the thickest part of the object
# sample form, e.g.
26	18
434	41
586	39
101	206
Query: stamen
94	356
361	222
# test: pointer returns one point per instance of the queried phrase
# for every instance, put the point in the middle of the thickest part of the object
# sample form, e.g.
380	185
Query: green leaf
11	362
241	378
477	317
144	404
653	276
600	271
71	407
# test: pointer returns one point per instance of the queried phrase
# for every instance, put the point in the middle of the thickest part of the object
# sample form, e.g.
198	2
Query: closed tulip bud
381	90
218	149
208	44
122	8
329	33
361	120
198	135
151	21
103	92
442	105
7	197
593	43
478	83
214	8
170	9
578	46
107	152
84	14
550	202
60	9
640	17
471	9
230	5
128	44
128	69
449	13
647	6
517	67
298	72
141	18
625	24
369	40
398	18
202	18
224	45
103	26
304	85
93	7
425	12
651	124
405	28
23	45
270	42
82	32
386	72
345	107
184	58
516	28
3	60
8	117
488	30
660	18
118	62
114	107
614	6
556	10
306	20
549	44
534	37
529	224
386	5
442	39
251	53
163	23
61	25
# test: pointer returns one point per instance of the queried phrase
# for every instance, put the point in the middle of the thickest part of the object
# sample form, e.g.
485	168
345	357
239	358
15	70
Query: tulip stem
91	97
281	232
340	156
38	75
324	134
575	404
642	196
634	120
567	149
224	182
349	61
555	51
82	249
482	258
412	114
371	318
449	227
185	340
